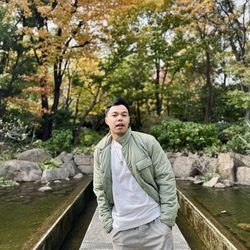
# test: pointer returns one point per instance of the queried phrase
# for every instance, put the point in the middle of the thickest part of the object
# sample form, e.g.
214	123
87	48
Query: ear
106	120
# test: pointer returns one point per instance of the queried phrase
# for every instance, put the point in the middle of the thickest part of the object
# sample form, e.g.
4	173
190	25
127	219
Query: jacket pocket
140	165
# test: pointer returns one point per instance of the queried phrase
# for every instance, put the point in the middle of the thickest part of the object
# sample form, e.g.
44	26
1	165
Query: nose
119	117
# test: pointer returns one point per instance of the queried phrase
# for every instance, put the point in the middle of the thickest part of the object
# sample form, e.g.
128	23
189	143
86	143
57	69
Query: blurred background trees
63	61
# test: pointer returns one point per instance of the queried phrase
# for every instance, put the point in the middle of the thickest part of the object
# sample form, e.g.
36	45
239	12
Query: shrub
15	130
238	138
61	140
175	135
50	164
89	137
7	183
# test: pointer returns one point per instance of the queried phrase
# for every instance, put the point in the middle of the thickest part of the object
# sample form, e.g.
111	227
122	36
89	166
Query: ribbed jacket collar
124	139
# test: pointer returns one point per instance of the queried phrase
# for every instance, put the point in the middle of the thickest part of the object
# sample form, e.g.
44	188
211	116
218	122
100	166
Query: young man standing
134	184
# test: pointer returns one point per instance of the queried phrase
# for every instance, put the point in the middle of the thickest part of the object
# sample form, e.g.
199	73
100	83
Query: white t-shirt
133	206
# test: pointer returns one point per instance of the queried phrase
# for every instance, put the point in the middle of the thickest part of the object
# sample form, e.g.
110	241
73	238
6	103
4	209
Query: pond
230	206
24	210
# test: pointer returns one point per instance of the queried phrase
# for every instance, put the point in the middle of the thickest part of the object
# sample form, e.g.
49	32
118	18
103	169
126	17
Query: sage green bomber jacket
149	165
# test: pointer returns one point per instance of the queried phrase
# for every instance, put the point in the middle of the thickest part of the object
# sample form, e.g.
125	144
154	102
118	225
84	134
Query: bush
61	140
89	137
14	131
175	135
238	138
50	164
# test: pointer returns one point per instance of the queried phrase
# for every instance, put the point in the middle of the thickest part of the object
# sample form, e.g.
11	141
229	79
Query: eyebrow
116	112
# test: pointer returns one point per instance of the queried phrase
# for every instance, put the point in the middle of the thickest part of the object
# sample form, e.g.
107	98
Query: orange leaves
24	103
45	90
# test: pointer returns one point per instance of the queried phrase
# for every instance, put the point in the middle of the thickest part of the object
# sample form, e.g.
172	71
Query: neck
116	137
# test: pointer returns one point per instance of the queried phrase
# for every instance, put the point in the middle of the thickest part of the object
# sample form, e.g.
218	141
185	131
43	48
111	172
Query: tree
58	31
15	59
236	33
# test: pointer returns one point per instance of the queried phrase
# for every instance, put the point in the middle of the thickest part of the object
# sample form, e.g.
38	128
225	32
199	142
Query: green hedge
175	135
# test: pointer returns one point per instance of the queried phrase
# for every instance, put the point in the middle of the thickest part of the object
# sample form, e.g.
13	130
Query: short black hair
116	102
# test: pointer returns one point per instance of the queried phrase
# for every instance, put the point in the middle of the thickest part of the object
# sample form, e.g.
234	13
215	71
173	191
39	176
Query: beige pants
152	236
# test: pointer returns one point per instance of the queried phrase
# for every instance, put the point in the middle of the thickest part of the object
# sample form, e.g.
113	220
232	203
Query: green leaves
176	135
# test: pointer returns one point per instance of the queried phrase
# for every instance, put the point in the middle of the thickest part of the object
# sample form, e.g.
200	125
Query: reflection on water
23	210
229	206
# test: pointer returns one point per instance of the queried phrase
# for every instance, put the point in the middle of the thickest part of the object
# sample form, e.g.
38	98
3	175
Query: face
117	119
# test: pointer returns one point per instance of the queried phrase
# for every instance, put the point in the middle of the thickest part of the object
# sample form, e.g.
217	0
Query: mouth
119	126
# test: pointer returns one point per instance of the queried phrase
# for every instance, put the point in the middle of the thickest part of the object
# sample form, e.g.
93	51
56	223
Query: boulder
85	163
55	174
64	157
241	160
34	155
71	166
243	175
20	170
172	156
212	182
226	166
86	169
206	165
184	166
84	159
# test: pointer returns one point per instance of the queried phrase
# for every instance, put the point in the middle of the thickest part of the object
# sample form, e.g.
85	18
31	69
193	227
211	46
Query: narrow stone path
95	237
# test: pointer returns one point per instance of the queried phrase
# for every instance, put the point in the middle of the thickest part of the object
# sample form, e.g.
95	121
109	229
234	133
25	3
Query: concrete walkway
95	237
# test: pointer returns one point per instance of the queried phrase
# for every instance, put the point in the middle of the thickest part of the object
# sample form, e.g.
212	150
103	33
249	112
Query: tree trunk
46	124
57	85
209	85
157	89
138	115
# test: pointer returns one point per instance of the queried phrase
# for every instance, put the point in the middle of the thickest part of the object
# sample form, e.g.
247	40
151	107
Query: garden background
182	65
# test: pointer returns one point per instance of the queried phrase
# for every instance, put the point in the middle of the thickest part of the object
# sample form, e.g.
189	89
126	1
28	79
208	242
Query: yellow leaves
21	5
32	106
181	52
44	10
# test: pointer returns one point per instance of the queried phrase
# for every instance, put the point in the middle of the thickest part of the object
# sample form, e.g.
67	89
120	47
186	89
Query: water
229	206
24	210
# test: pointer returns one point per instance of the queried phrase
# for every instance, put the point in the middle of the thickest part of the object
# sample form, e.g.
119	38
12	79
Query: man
134	184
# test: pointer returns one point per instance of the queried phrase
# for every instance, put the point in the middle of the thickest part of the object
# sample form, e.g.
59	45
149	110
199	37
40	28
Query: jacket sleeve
165	179
104	208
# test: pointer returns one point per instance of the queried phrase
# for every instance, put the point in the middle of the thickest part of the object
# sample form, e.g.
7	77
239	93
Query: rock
65	157
34	155
244	226
243	175
20	170
219	185
84	163
226	166
85	169
212	182
190	178
54	174
228	183
241	160
198	182
78	176
184	167
72	168
43	189
206	165
84	159
172	156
